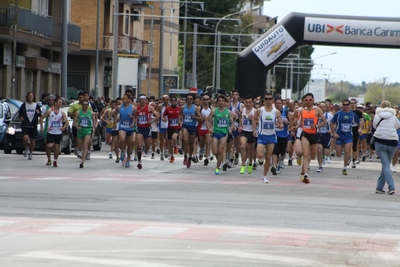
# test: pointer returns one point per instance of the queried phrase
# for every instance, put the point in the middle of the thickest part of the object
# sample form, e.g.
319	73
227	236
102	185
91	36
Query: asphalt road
168	215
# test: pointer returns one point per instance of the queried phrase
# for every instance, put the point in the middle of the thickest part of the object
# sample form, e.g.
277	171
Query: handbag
372	141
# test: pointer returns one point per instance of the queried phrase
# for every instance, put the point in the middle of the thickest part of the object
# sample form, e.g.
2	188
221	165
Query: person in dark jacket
29	114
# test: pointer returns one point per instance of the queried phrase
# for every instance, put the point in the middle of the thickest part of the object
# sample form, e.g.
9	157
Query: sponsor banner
274	45
352	31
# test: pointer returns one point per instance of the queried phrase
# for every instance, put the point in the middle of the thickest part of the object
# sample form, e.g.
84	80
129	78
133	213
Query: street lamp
215	41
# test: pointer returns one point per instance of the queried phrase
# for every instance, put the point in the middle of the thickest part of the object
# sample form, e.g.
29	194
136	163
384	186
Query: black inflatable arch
297	29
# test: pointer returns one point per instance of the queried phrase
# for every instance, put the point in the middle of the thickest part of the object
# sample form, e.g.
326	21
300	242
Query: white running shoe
264	179
110	156
328	160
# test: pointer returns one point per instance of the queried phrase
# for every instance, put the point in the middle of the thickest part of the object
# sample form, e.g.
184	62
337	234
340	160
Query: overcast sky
353	64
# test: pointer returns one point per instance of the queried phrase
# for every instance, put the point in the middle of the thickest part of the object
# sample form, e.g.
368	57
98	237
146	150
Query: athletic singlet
221	121
110	118
309	118
247	121
283	133
267	122
326	128
55	122
173	116
204	113
188	113
154	125
233	109
85	119
163	124
125	121
143	118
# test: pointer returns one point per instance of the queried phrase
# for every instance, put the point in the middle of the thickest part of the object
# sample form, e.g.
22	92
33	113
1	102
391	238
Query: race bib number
323	129
55	124
142	119
126	123
268	125
346	128
85	122
188	118
222	122
308	123
173	122
247	121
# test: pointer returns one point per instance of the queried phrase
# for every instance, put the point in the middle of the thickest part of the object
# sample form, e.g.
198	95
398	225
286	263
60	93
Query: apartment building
38	47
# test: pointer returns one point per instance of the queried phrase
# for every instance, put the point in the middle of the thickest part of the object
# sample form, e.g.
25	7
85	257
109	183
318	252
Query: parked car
14	105
5	118
13	138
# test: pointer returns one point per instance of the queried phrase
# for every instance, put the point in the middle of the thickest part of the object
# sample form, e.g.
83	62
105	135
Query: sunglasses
345	104
308	99
267	98
189	98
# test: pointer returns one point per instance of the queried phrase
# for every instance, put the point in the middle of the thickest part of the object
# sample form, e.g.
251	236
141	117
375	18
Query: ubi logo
322	28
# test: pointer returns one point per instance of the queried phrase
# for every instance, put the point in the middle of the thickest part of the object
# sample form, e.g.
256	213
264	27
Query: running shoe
172	159
236	160
110	156
88	156
166	154
390	192
301	177
260	162
225	167
273	170
152	156
211	158
123	163
201	156
79	154
180	151
353	165
30	156
323	161
189	163
254	166
162	156
185	160
81	165
250	169
206	161
158	150
26	152
48	162
319	169
380	191
299	161
363	158
290	163
139	166
128	164
328	160
344	172
305	179
242	169
176	150
122	159
55	165
216	171
264	179
117	160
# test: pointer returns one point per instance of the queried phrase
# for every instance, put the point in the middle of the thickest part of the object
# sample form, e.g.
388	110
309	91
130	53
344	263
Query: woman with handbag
385	137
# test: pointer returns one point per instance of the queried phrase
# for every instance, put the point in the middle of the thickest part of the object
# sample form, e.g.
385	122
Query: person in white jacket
386	139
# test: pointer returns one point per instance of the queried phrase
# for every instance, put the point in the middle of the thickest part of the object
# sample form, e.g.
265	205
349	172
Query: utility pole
14	60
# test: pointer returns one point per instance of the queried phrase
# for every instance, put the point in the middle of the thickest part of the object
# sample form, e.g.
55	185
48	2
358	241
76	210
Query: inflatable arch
298	29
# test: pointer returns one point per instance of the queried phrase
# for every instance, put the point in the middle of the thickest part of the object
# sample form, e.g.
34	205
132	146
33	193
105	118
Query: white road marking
73	228
153	231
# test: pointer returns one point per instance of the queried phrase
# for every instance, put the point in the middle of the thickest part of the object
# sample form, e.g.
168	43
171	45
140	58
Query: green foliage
390	92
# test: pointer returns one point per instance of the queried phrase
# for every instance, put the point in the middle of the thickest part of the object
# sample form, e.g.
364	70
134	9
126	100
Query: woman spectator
386	125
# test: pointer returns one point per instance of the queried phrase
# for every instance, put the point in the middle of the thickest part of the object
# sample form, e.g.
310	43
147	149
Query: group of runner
261	131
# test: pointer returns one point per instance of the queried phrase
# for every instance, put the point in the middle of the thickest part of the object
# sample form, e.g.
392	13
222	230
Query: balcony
33	28
73	35
129	45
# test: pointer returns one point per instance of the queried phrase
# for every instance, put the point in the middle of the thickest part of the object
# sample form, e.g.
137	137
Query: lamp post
215	40
254	23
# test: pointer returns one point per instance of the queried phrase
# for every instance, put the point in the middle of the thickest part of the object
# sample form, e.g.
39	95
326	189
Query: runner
50	104
143	122
282	135
268	119
29	114
125	125
356	134
163	128
85	124
57	122
189	117
172	116
324	144
108	119
246	135
204	134
309	118
341	125
220	123
236	107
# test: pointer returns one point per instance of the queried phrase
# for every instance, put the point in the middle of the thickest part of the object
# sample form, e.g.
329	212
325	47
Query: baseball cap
336	105
51	97
360	106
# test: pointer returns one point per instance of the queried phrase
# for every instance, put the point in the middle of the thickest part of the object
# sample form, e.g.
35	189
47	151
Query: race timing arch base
298	29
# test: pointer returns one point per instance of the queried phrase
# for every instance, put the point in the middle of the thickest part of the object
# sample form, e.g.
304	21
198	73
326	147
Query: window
127	22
